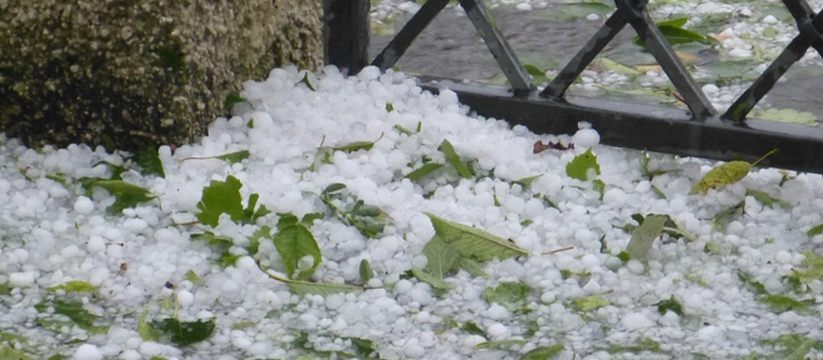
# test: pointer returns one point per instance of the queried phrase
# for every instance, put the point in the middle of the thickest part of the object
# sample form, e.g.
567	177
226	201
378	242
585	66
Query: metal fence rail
700	131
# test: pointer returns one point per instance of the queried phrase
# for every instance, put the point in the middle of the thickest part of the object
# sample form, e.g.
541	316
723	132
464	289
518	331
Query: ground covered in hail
360	217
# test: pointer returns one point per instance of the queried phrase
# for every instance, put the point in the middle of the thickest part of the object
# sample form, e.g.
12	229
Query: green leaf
442	257
293	243
220	197
254	240
783	303
543	352
126	195
434	281
357	145
184	333
74	286
232	99
302	288
644	235
591	302
366	272
452	158
790	116
527	181
508	294
333	188
815	267
815	230
306	81
725	174
579	167
146	332
724	217
364	348
389	107
472	328
403	130
766	199
640	345
471	266
500	344
149	162
250	215
757	287
192	276
474	243
234	157
675	33
74	310
9	353
600	187
671	304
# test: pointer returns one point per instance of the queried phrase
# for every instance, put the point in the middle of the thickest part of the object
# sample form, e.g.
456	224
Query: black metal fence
700	131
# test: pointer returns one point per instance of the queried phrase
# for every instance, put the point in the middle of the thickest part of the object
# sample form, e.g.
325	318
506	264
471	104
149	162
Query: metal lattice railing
700	131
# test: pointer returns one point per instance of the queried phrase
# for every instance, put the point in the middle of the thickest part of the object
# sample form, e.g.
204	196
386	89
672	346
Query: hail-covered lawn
360	217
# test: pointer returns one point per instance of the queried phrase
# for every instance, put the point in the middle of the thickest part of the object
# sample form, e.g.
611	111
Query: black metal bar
646	127
401	42
680	77
805	18
791	54
504	55
346	33
584	57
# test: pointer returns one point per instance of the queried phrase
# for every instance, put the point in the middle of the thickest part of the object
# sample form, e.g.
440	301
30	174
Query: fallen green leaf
357	145
74	310
366	272
149	162
184	333
591	302
815	230
293	243
442	257
670	304
725	174
434	281
454	160
234	157
472	328
579	167
527	181
508	294
500	344
220	197
306	81
74	286
790	116
724	217
126	195
233	98
473	243
783	303
644	235
766	199
7	352
302	288
543	352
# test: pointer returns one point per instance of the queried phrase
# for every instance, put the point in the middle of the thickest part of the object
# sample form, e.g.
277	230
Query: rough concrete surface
135	74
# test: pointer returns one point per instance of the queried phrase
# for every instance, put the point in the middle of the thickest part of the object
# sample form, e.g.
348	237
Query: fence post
346	34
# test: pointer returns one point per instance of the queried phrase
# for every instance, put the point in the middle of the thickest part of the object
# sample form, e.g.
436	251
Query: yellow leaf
728	173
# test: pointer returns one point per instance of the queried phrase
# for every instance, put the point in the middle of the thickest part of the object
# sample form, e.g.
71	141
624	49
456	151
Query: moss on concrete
140	73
